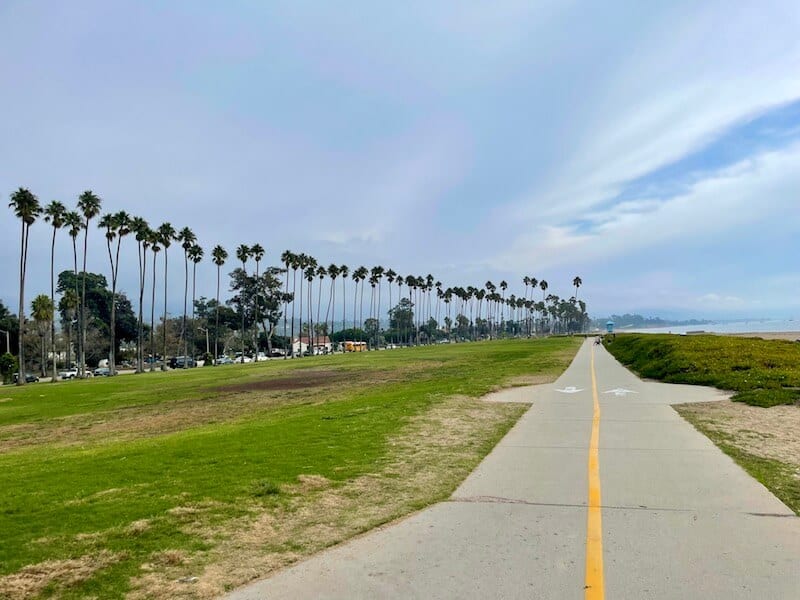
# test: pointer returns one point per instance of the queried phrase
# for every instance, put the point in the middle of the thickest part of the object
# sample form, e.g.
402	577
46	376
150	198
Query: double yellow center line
594	586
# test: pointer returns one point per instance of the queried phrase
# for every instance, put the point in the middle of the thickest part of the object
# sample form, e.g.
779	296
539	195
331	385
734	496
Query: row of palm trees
490	306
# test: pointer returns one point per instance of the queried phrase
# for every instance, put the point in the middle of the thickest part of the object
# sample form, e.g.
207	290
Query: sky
653	149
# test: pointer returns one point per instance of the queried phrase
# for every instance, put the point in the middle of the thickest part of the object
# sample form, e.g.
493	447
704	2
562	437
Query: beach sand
792	336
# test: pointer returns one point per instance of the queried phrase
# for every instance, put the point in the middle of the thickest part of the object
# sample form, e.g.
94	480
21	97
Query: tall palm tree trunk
294	302
83	302
184	333
23	248
153	319
164	325
78	300
53	302
142	254
216	321
194	277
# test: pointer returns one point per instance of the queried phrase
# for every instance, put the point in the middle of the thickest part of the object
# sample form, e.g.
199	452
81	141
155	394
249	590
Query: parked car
102	372
180	362
238	358
224	360
70	373
29	378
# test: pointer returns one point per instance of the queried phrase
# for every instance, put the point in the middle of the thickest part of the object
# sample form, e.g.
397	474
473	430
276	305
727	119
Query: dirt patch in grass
767	432
226	404
32	580
299	380
432	455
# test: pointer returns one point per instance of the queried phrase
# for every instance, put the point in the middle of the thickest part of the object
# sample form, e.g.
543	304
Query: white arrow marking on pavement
570	390
620	392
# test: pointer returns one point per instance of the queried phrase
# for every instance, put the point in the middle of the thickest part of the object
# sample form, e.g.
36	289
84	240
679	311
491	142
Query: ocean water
754	326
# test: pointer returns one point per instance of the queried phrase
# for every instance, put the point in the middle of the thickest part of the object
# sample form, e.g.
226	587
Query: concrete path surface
650	509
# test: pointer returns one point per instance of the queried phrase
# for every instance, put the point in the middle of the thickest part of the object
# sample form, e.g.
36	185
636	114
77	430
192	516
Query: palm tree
42	311
26	208
300	261
116	226
577	282
89	206
54	213
219	256
543	286
166	235
187	238
242	253
400	280
286	259
333	273
503	288
360	275
322	272
155	248
142	233
196	255
74	222
257	252
390	277
344	271
528	314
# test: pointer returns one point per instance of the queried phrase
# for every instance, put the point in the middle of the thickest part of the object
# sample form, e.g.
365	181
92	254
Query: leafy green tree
26	208
401	318
260	295
8	366
68	308
9	324
99	300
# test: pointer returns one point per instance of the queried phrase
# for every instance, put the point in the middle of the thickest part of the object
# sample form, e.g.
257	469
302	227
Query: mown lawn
761	372
115	487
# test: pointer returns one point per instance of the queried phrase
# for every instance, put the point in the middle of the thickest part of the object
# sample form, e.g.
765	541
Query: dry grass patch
30	581
766	432
432	455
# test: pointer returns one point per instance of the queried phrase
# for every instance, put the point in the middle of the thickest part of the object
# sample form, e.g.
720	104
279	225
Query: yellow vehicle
355	346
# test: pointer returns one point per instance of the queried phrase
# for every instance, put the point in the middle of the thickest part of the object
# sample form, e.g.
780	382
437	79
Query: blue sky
652	150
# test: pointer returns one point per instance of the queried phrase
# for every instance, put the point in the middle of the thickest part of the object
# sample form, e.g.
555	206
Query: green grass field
120	486
761	372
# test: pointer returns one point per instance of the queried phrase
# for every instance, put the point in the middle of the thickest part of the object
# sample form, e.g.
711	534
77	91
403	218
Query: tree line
295	291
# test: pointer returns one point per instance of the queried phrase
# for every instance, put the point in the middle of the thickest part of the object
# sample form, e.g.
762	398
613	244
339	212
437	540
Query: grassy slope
761	372
60	502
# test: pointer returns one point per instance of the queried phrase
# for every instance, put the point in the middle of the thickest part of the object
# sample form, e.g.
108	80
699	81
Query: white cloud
763	188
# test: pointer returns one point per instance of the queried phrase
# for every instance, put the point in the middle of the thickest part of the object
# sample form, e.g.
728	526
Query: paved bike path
679	518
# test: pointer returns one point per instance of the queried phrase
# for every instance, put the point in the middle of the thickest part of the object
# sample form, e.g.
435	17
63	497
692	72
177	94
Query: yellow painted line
594	585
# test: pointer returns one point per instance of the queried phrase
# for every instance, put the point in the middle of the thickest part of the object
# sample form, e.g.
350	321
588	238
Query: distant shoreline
792	336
